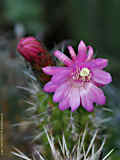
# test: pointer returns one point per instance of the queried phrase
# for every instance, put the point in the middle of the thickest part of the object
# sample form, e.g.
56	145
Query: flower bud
38	57
30	49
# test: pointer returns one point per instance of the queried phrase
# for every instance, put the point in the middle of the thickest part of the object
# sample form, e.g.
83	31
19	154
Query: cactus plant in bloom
78	82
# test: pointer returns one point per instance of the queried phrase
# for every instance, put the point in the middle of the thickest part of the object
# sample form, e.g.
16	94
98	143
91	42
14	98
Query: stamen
84	72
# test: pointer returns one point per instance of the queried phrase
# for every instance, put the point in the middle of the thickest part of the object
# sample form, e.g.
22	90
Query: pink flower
30	49
77	83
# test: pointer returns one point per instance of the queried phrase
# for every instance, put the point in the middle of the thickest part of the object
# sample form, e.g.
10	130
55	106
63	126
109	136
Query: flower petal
101	63
82	49
74	98
63	105
86	102
61	91
53	70
62	57
50	87
101	77
60	77
96	95
72	52
90	53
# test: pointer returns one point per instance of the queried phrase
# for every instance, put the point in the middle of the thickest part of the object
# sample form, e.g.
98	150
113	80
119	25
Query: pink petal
32	49
101	63
62	57
50	87
82	49
86	102
61	91
74	98
72	52
61	77
90	53
63	104
53	70
96	95
101	77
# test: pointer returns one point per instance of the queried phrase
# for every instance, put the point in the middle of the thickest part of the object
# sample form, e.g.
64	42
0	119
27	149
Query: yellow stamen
84	72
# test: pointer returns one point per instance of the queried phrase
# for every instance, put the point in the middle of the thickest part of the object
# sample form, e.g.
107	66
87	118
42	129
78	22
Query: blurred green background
97	22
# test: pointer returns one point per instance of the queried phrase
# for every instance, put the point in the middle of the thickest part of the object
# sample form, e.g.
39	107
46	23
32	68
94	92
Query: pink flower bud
38	57
30	49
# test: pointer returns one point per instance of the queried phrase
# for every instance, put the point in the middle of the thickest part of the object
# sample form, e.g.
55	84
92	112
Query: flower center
82	74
